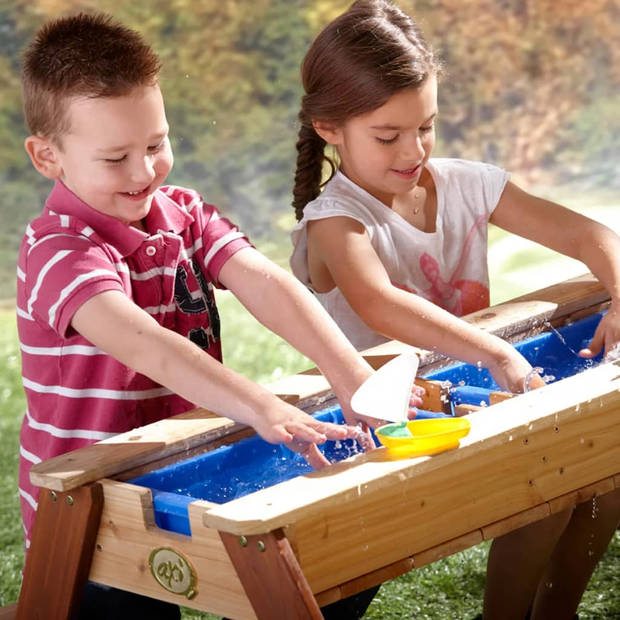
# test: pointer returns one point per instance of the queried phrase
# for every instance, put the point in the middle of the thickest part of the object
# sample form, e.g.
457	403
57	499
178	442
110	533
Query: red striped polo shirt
77	394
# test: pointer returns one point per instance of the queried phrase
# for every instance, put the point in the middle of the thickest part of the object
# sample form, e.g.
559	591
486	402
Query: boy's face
116	152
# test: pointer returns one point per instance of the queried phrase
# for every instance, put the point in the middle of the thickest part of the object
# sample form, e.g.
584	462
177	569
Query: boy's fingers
314	457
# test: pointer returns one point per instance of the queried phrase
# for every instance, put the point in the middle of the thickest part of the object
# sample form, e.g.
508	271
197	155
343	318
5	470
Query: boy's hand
301	432
606	337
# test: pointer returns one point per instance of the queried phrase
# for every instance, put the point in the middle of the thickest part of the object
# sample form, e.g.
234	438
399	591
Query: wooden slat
267	565
516	521
364	582
61	549
9	612
498	397
447	548
584	494
465	409
132	449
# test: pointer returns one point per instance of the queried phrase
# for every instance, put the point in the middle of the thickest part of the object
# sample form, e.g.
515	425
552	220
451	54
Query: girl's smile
385	150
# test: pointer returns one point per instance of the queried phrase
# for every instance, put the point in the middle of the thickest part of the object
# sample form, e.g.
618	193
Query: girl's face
385	150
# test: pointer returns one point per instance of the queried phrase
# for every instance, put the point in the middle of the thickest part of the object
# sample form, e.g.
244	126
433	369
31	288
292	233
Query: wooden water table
285	550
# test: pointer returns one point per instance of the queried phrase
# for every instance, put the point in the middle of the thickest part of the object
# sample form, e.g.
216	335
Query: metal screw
243	541
53	496
261	545
69	500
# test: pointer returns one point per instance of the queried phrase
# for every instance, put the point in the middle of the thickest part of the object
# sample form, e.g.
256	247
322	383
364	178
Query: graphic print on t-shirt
197	302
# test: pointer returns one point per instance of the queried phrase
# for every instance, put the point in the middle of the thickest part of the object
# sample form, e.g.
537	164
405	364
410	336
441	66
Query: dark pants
103	603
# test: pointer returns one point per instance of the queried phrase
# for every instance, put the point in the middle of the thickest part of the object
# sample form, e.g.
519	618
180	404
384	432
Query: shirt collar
165	215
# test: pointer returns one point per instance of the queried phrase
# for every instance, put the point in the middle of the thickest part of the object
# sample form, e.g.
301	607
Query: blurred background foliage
531	85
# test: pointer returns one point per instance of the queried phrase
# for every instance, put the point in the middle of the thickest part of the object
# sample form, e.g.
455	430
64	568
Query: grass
450	588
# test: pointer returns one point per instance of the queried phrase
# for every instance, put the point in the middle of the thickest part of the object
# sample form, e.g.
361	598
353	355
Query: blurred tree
531	85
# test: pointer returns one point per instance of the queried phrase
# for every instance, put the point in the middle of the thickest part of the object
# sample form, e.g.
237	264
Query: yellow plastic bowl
422	437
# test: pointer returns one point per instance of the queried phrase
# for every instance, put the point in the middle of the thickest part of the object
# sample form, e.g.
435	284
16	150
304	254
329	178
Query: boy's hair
84	55
355	65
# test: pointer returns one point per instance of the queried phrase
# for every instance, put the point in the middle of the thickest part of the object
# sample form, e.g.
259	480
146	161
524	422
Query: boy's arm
281	303
116	325
573	235
346	251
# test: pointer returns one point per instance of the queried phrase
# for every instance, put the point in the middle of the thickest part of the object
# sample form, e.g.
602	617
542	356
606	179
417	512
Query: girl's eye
387	140
427	129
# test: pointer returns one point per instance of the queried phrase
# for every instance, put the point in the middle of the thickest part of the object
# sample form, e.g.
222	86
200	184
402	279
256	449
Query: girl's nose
413	148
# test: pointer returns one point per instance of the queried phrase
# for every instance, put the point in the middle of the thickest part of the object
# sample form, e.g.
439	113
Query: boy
116	314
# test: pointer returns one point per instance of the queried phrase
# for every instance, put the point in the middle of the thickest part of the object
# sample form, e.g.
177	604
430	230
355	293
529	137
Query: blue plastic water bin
251	464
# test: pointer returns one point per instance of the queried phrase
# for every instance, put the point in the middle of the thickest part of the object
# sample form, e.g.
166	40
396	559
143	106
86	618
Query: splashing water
613	354
561	338
537	370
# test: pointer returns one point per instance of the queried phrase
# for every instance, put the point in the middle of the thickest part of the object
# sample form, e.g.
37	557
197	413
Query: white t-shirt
447	267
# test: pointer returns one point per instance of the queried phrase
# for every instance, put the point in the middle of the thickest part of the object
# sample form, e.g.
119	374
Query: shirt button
150	250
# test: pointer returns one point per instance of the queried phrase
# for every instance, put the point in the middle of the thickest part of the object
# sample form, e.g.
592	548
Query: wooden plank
437	397
59	558
498	397
465	409
127	537
132	449
9	612
428	556
354	586
515	521
267	565
581	495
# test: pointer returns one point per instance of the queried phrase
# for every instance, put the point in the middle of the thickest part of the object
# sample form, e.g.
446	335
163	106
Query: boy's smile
116	152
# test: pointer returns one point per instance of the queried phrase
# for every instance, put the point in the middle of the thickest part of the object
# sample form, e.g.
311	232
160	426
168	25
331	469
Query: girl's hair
355	65
83	55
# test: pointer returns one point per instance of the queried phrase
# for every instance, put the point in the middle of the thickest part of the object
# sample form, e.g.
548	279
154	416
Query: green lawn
451	588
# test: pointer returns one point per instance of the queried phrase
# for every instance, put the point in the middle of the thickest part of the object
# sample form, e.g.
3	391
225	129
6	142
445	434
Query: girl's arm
119	327
341	245
574	235
281	303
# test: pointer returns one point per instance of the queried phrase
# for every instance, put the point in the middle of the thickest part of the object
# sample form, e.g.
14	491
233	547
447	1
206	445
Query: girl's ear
331	133
44	156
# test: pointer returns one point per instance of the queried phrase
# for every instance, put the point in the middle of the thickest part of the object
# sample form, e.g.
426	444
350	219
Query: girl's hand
606	337
512	372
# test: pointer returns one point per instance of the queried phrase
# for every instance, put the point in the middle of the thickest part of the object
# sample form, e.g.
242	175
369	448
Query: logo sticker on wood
173	572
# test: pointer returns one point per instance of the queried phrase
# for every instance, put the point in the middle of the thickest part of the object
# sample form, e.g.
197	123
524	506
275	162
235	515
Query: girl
395	248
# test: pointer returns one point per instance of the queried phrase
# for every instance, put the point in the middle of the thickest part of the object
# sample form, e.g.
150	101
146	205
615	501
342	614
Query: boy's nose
144	171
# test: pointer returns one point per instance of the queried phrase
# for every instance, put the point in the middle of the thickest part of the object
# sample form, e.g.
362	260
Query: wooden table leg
60	554
271	576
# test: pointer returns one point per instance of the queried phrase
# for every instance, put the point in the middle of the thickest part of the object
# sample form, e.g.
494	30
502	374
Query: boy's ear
332	134
44	156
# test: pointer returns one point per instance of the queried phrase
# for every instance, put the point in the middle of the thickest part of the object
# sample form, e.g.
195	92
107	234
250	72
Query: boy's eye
387	140
115	161
156	147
